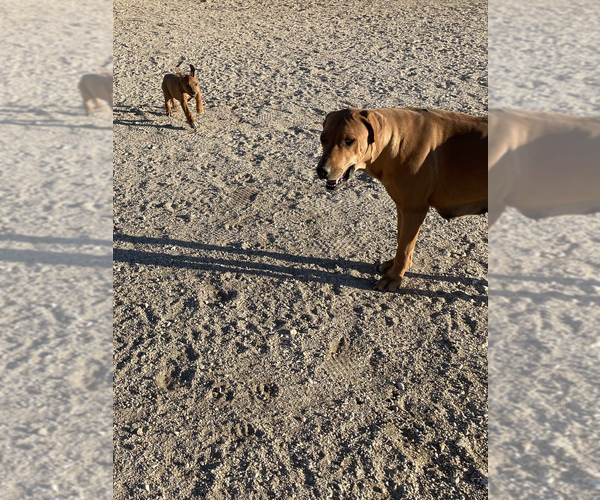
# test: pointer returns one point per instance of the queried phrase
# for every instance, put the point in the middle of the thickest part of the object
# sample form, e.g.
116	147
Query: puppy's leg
88	107
409	224
167	95
87	98
174	103
188	113
199	106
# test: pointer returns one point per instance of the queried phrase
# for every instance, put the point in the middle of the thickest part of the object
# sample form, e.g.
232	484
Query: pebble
462	443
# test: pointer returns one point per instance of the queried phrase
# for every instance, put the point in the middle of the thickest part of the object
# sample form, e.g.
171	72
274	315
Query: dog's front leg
199	106
188	113
409	224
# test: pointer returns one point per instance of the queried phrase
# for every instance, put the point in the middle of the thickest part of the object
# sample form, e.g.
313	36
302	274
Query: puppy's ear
375	122
192	70
327	116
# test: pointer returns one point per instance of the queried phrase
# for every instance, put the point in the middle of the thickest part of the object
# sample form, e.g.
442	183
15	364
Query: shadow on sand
281	266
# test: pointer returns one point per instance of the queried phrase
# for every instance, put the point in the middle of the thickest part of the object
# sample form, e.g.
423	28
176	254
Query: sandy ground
544	288
252	359
55	254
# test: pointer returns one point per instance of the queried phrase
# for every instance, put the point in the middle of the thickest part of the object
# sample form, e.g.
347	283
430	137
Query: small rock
462	443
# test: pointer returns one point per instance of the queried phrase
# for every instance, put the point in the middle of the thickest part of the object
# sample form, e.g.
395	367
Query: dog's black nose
322	171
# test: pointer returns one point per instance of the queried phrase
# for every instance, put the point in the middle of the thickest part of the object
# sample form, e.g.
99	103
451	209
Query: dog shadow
62	257
140	117
589	287
51	116
280	266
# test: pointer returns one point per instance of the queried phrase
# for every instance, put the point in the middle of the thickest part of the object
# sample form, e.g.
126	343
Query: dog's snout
322	170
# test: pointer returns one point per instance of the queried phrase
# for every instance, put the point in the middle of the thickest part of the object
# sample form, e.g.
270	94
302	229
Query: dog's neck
375	151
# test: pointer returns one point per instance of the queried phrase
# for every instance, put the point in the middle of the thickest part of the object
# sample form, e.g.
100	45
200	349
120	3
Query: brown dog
543	164
96	87
180	88
424	158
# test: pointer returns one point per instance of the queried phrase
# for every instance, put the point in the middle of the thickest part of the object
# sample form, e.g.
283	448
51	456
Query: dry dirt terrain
55	254
252	358
544	318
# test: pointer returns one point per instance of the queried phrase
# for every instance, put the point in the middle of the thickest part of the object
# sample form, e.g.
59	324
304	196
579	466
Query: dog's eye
348	142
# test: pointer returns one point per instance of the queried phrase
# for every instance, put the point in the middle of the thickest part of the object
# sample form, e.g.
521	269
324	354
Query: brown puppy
96	87
180	88
424	158
543	164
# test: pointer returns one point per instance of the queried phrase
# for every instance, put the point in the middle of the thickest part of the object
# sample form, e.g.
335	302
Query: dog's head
189	83
351	141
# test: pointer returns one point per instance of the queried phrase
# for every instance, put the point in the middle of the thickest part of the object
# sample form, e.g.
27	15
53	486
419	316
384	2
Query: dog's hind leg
167	96
87	99
168	106
88	107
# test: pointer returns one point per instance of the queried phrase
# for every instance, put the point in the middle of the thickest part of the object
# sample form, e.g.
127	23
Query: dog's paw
194	126
384	266
387	284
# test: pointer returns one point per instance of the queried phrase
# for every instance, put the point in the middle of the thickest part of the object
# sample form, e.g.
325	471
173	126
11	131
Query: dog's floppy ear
327	116
192	70
374	122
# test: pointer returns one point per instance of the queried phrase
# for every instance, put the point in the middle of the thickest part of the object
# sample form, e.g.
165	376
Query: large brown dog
180	88
96	87
424	158
543	164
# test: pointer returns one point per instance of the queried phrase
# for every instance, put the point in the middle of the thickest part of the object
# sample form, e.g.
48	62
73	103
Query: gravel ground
252	359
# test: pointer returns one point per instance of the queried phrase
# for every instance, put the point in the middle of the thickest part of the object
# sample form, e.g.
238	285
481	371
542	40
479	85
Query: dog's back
170	81
97	86
456	145
543	164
